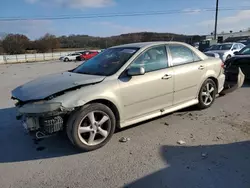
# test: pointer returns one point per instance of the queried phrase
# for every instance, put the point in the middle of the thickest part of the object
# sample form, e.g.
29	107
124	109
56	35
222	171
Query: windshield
245	50
107	62
221	47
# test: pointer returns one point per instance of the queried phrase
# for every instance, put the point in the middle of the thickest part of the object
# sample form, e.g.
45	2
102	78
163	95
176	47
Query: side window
196	58
241	46
236	46
246	51
152	60
182	55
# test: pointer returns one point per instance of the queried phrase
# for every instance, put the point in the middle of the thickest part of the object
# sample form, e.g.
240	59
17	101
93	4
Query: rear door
188	72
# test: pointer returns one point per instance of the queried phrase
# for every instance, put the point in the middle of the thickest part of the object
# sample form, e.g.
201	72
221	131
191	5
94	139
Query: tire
66	59
205	101
80	129
228	57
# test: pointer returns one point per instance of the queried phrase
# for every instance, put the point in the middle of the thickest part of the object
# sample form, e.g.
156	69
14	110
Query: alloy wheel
208	93
94	128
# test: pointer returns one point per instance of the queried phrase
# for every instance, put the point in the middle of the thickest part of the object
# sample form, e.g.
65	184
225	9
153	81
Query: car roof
146	44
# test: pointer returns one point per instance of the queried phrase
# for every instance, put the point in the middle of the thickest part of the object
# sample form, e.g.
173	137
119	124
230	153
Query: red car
87	55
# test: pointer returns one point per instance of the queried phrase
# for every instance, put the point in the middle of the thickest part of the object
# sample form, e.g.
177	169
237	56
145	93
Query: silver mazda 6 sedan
121	86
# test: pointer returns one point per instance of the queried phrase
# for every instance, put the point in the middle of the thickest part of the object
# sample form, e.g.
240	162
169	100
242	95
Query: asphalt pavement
215	151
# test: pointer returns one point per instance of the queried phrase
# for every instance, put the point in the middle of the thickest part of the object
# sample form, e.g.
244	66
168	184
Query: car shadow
226	165
17	145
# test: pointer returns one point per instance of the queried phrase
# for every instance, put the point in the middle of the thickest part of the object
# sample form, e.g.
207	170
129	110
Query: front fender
86	94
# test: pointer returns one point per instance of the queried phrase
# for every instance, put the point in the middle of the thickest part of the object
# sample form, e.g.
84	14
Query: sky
189	17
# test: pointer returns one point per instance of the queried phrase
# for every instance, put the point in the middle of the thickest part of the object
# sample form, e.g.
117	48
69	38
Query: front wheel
207	94
228	57
91	127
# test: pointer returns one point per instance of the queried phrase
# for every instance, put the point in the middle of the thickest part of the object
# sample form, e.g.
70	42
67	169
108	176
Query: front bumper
46	125
233	81
47	118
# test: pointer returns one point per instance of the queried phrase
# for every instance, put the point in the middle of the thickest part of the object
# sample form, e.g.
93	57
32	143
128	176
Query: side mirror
236	53
136	71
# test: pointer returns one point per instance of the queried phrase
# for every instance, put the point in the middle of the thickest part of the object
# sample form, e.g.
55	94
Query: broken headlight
39	107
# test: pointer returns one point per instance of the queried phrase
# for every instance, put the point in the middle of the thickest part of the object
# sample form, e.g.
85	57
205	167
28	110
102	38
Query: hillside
83	41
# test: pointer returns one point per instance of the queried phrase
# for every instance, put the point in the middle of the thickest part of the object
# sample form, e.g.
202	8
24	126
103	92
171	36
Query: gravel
216	153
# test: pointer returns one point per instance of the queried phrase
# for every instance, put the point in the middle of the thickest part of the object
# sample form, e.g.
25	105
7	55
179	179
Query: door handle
166	77
201	67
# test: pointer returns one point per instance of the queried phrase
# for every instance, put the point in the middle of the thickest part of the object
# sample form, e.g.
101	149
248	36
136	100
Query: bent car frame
119	87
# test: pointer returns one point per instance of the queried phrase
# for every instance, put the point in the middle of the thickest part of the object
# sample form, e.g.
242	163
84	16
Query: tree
46	43
15	43
1	47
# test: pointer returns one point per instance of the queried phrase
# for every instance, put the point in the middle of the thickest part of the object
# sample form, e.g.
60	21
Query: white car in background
212	54
70	57
226	50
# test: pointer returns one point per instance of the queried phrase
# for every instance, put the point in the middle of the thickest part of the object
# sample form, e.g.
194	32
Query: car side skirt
159	113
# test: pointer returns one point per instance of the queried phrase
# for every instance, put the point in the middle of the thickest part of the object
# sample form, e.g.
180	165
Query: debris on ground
166	124
218	138
124	139
204	155
181	142
180	113
213	118
190	114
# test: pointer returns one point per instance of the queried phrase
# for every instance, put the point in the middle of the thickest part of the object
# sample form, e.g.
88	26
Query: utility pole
216	19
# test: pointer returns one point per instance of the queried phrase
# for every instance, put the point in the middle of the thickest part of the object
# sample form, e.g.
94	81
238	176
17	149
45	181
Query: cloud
31	28
191	11
239	21
77	4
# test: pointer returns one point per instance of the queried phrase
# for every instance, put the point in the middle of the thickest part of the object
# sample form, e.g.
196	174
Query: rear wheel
91	127
207	94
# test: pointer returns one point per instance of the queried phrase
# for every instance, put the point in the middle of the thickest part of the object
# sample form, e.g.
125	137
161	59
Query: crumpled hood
43	87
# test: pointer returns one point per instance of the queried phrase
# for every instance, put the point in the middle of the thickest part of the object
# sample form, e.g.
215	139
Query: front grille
52	124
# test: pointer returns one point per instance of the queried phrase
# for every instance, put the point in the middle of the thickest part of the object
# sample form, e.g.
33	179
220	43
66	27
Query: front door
148	93
188	72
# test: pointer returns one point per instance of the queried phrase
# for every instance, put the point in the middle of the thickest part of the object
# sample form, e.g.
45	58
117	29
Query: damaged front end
234	80
44	118
36	107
